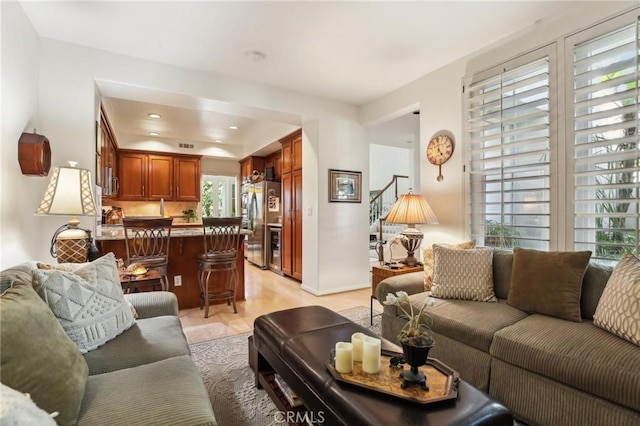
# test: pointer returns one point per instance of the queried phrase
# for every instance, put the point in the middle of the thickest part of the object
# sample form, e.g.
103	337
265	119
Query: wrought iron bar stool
221	245
147	242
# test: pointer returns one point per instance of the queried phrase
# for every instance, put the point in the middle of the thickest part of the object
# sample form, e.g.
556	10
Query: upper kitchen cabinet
249	165
275	160
154	176
187	178
292	152
107	150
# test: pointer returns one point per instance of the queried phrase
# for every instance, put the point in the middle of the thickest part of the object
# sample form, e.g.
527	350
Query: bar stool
147	242
221	244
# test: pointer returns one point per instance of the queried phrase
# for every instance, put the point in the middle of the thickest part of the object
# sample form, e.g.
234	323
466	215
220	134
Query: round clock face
440	149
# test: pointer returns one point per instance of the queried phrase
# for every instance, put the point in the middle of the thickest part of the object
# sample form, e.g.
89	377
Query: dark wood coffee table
296	343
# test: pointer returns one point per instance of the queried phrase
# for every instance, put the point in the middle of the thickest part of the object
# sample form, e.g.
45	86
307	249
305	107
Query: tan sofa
547	371
144	376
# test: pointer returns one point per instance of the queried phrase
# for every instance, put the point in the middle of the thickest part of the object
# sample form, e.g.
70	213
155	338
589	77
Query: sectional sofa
546	370
143	376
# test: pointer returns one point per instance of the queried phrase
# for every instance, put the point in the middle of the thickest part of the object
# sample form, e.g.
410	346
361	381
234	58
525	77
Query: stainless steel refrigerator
264	206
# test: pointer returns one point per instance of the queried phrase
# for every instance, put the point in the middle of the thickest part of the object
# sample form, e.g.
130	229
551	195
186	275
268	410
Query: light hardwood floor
265	292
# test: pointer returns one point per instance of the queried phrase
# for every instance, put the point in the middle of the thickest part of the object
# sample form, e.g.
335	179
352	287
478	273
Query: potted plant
415	337
189	215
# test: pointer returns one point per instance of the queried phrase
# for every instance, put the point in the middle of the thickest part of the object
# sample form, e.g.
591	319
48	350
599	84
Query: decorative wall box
34	154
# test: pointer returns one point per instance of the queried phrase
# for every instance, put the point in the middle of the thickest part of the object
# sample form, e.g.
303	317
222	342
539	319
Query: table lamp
69	193
411	209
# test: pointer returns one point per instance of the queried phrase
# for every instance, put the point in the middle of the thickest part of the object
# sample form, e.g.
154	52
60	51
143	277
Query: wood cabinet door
297	152
132	173
286	240
286	157
187	179
297	224
245	169
159	177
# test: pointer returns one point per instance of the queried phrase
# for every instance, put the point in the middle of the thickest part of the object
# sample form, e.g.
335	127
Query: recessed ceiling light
233	127
154	115
218	140
154	133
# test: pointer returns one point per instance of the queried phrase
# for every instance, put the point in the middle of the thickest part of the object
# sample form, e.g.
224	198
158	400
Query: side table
379	273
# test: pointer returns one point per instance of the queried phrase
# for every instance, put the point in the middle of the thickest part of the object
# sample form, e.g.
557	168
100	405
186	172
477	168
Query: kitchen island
186	245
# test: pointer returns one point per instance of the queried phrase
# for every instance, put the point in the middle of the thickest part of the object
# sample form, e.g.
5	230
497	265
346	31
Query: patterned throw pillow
427	260
463	274
88	302
618	310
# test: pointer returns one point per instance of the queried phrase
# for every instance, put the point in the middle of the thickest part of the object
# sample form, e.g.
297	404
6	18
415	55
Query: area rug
224	366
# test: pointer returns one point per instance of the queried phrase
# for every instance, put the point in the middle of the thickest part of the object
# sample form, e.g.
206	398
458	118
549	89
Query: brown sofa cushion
548	283
577	354
37	356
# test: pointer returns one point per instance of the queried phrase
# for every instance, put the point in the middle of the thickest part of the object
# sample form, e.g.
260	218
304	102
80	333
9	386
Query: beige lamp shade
69	193
411	209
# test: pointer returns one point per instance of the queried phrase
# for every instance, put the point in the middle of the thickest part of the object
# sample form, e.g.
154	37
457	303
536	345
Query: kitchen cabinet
249	164
159	177
275	160
132	171
291	240
154	176
187	178
291	154
108	147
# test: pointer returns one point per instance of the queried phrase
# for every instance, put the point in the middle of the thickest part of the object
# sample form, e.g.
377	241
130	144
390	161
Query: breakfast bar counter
185	247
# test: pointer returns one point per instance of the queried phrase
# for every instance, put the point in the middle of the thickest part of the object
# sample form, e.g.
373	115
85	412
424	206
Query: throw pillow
427	260
618	310
38	357
548	283
17	408
463	274
72	267
88	302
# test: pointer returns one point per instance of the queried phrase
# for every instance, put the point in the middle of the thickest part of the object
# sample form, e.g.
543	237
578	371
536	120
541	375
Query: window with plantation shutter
604	123
508	149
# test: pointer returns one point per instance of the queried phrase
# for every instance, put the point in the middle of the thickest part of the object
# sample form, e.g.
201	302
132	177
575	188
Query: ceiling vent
186	145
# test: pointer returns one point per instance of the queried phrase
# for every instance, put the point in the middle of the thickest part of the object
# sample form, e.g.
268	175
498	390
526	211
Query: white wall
439	95
332	138
19	228
215	166
386	161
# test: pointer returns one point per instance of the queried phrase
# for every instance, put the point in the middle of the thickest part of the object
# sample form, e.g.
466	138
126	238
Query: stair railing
381	203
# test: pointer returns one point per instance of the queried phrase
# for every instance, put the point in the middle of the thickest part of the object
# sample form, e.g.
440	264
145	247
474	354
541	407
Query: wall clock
439	151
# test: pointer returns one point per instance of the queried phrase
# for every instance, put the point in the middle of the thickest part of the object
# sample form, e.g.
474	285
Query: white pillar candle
371	355
344	358
356	340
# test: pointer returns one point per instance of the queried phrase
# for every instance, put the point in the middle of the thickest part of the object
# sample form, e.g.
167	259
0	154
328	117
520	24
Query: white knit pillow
463	274
618	310
88	303
17	408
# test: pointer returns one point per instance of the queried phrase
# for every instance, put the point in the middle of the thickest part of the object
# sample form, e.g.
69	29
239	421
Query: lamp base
72	246
412	238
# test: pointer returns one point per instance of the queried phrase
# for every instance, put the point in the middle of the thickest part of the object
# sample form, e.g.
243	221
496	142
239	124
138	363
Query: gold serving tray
441	379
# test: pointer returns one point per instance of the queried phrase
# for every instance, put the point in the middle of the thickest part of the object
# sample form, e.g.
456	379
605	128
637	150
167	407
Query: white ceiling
351	51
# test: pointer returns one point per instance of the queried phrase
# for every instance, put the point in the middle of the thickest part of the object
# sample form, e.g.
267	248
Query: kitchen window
219	196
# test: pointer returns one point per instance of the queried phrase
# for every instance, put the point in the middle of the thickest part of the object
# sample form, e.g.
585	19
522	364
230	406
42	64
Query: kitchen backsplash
152	208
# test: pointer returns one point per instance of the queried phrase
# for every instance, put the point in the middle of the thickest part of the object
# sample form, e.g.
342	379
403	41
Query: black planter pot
415	356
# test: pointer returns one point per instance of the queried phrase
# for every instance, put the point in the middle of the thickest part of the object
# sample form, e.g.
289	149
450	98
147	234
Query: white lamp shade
69	193
411	209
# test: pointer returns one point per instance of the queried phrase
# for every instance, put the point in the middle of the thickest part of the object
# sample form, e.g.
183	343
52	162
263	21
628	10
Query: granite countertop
116	232
275	225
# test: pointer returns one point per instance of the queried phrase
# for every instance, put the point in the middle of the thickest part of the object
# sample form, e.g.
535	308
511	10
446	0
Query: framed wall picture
345	186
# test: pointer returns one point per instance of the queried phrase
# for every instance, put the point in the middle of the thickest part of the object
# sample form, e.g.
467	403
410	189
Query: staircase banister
393	180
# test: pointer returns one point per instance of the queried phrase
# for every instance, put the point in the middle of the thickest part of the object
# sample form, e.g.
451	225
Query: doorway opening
219	196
